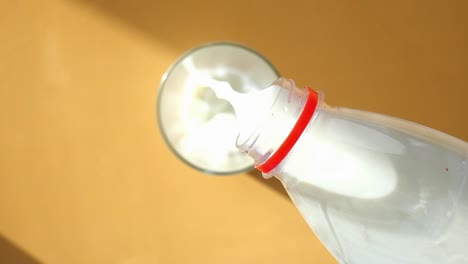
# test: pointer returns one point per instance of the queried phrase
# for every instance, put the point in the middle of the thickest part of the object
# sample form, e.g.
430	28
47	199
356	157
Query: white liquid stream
250	108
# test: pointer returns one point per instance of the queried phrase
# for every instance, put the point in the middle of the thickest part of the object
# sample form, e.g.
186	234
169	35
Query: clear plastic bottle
374	189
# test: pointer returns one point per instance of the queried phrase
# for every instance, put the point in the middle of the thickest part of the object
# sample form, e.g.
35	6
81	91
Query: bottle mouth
307	112
289	115
244	143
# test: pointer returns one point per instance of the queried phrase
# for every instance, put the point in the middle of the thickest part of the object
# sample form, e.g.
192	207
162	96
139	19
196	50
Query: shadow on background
183	24
10	253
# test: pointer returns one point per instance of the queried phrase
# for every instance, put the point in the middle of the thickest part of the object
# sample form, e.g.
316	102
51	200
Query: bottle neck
278	131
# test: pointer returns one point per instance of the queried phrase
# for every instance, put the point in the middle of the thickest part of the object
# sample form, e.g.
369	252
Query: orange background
85	176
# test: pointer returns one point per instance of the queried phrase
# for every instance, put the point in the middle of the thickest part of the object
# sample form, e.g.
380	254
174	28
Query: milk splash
250	108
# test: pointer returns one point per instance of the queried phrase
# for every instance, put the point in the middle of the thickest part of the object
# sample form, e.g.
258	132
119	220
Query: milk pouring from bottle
373	188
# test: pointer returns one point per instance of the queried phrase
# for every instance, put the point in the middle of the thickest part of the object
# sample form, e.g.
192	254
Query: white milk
374	194
250	108
354	174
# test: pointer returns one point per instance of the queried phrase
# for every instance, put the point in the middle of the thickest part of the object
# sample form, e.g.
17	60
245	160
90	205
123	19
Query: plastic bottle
373	188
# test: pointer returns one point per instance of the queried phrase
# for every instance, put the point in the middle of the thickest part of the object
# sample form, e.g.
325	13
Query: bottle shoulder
396	125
